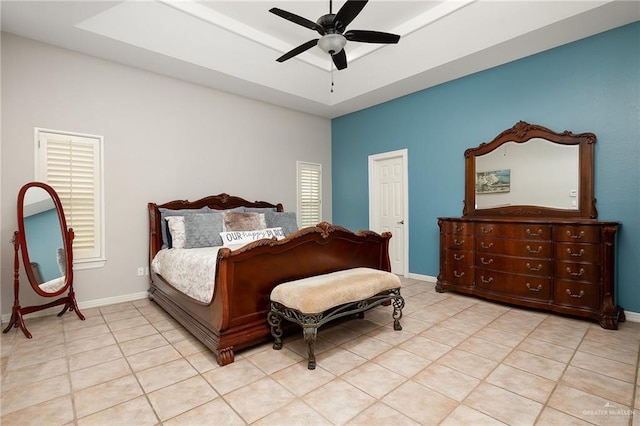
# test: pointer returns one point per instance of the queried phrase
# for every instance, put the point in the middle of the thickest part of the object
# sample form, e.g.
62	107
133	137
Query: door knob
401	222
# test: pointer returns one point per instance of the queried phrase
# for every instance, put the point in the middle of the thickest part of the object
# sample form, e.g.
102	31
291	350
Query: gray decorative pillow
260	209
285	220
164	213
234	221
235	209
202	230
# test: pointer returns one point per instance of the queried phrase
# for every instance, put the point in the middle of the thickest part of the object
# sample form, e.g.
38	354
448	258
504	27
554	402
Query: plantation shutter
70	165
309	194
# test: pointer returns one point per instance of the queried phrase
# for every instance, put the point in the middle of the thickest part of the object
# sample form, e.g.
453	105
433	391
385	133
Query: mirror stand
18	312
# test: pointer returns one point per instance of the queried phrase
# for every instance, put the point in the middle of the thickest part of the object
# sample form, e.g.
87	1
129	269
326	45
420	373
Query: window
309	194
71	163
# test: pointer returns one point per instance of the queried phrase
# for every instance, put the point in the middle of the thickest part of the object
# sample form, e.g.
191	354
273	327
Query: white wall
164	139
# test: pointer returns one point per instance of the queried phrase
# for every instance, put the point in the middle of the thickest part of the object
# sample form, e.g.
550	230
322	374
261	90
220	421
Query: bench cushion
316	294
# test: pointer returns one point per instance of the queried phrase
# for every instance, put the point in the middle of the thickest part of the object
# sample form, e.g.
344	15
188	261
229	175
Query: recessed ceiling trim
432	15
209	15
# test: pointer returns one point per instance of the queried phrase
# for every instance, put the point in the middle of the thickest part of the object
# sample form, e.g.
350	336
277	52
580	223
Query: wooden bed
237	315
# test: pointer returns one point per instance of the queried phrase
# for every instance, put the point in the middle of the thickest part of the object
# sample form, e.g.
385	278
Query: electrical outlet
140	271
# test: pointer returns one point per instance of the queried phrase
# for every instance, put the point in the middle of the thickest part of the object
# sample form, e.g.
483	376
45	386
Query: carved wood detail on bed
236	316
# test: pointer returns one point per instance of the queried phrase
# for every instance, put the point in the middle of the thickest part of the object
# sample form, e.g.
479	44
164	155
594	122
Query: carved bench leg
310	333
275	321
398	304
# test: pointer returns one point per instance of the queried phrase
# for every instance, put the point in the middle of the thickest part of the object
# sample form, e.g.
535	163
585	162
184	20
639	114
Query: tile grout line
636	386
584	338
557	382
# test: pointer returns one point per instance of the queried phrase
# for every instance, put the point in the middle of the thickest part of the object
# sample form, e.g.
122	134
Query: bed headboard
217	202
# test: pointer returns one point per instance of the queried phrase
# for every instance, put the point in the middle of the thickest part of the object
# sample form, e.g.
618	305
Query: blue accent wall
43	237
592	85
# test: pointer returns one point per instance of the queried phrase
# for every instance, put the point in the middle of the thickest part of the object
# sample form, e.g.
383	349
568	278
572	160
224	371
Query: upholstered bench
314	301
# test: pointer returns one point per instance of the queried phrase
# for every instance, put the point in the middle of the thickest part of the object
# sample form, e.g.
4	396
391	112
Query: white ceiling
232	45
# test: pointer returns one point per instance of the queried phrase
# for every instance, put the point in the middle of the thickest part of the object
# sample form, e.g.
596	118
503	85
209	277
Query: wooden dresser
528	234
564	266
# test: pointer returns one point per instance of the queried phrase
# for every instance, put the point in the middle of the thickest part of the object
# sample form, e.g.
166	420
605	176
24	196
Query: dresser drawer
578	252
509	247
578	271
459	242
459	257
577	294
577	234
530	287
458	274
458	228
524	232
514	265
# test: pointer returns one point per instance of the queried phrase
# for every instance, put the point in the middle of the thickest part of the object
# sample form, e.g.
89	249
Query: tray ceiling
232	45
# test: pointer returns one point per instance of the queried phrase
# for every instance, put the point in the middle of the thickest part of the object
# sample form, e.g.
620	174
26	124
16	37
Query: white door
388	203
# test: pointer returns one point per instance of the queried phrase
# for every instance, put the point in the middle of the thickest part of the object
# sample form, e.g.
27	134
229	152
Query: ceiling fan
331	27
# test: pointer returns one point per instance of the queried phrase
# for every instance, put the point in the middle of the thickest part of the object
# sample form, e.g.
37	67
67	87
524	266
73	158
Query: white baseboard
85	305
421	277
632	316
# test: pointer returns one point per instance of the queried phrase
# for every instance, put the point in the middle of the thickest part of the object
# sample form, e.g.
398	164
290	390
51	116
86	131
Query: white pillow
176	228
233	238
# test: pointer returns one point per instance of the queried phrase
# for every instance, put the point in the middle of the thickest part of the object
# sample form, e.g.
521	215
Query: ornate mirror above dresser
528	234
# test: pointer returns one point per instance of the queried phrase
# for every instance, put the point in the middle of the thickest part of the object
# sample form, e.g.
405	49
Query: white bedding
53	285
192	271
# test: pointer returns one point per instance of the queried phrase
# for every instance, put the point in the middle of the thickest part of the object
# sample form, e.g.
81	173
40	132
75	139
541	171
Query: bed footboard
247	276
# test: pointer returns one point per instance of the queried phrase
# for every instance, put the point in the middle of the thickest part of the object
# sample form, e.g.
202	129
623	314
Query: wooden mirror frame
19	244
66	236
522	132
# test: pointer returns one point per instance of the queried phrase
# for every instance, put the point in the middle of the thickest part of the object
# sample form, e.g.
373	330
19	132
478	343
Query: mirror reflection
44	240
537	172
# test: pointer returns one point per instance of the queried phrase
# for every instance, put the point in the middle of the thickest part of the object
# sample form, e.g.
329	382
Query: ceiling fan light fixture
332	43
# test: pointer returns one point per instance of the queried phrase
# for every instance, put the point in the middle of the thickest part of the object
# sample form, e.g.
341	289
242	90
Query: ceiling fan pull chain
331	76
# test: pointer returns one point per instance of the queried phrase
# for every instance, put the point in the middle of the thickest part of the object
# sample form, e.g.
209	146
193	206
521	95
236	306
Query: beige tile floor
457	361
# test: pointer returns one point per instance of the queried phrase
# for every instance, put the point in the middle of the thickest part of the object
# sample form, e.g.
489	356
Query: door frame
373	213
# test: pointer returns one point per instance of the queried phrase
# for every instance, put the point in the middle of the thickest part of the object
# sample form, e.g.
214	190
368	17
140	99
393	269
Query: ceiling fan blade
340	60
371	36
297	19
298	50
348	12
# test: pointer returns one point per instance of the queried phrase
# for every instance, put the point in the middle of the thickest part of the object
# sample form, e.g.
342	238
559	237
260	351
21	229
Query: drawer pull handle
577	254
575	236
534	289
530	250
534	234
457	228
458	242
486	230
486	262
575	296
486	246
531	268
458	256
485	280
576	274
458	274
